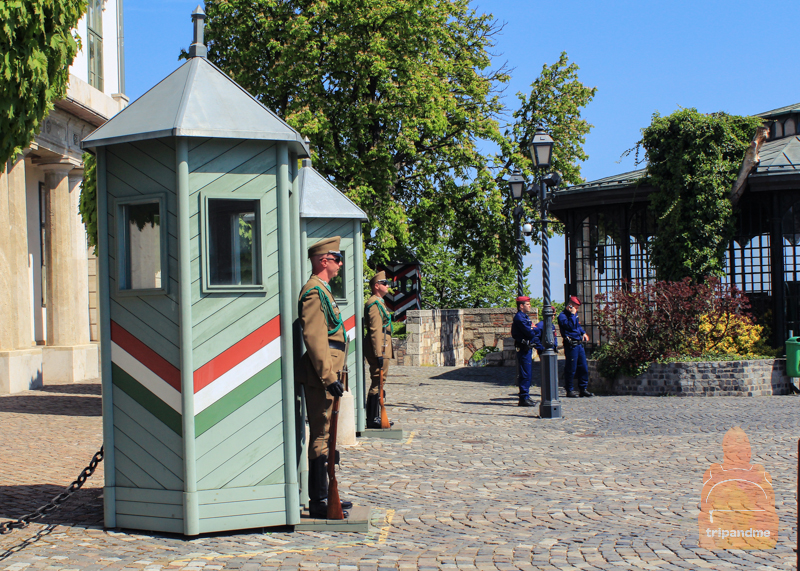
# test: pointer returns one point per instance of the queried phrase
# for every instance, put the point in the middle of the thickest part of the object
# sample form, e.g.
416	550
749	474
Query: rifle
334	503
384	417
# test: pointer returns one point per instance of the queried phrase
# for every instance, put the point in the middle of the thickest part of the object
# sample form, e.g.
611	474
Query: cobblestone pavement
478	484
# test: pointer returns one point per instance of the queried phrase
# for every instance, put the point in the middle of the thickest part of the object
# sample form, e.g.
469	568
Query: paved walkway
478	484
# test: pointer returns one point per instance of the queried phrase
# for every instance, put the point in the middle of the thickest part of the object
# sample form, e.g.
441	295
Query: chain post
24	521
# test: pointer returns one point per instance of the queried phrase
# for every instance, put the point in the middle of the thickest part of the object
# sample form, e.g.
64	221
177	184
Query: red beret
523	298
574	300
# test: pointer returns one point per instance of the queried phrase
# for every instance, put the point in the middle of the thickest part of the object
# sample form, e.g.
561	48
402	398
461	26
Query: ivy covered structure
608	225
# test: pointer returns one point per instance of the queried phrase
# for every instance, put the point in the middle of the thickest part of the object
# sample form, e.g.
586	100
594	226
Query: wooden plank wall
236	354
145	355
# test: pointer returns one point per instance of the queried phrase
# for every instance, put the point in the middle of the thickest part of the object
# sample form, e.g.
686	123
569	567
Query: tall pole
550	406
517	219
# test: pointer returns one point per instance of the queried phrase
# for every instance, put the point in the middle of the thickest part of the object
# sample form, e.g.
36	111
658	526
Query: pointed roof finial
198	48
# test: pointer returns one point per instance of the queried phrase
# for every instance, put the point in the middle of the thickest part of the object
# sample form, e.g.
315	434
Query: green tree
450	283
693	160
395	96
37	46
554	102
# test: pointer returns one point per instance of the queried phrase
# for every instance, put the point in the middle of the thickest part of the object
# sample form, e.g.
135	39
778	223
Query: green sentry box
793	357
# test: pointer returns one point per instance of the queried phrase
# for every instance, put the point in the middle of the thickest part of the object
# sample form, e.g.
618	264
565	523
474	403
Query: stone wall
763	377
491	328
399	350
435	337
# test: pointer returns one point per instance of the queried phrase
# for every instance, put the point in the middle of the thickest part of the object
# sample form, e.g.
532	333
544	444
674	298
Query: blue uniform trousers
576	368
524	366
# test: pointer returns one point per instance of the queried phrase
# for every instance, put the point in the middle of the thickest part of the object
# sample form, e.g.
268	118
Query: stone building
47	272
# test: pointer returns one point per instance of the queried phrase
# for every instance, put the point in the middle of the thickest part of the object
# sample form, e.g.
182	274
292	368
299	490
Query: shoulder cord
385	317
327	309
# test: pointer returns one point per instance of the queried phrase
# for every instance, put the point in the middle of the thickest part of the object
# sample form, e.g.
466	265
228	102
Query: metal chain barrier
56	502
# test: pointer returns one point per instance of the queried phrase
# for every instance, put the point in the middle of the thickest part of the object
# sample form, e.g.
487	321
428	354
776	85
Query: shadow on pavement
52	404
84	507
79	389
501	376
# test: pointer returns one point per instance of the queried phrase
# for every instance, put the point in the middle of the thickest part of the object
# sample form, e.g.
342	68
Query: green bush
399	330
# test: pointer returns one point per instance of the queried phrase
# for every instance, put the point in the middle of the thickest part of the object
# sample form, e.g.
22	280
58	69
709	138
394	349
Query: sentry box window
232	248
142	246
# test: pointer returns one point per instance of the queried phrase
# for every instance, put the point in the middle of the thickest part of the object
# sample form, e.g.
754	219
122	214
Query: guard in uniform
573	336
320	366
377	345
524	339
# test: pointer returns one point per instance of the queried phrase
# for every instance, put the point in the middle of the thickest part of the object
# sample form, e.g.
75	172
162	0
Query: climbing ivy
88	201
37	46
693	161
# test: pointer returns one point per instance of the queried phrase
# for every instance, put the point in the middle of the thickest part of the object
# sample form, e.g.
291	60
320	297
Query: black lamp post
541	149
517	183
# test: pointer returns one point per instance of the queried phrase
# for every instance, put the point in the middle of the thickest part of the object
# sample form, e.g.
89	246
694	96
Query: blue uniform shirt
570	325
538	331
521	327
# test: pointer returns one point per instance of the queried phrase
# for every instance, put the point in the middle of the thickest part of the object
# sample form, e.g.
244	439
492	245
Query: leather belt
338	345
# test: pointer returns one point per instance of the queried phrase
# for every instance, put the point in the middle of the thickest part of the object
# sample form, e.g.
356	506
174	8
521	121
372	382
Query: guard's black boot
318	488
572	394
373	411
527	401
585	393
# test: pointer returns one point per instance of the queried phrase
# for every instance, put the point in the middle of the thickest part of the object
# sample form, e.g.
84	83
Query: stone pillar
20	360
69	356
81	283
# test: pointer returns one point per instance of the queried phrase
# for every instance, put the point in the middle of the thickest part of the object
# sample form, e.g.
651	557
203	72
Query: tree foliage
693	161
87	206
395	96
555	103
449	283
37	46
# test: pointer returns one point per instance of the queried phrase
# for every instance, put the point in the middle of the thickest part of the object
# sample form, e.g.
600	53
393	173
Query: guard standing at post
377	345
321	365
524	338
573	336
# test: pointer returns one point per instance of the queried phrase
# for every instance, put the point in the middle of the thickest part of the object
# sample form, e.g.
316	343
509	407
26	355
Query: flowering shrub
663	320
729	334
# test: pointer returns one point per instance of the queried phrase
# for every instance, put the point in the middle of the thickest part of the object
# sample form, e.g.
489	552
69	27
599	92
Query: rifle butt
384	417
334	503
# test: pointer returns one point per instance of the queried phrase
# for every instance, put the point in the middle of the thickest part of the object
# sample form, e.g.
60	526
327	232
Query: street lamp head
541	148
527	229
517	184
552	179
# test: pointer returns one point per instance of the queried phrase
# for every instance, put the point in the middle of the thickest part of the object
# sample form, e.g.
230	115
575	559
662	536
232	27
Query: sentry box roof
320	199
196	100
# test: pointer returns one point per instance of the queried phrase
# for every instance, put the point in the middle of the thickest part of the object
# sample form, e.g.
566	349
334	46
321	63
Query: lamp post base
550	407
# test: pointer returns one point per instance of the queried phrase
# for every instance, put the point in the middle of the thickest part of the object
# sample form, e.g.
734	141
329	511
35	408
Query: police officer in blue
524	339
573	336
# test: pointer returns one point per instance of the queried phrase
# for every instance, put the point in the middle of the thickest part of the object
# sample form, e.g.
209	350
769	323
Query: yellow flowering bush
727	334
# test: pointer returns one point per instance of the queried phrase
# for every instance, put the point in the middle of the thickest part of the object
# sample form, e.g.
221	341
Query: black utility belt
570	342
338	345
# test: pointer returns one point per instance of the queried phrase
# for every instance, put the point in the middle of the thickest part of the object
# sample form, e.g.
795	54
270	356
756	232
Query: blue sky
643	56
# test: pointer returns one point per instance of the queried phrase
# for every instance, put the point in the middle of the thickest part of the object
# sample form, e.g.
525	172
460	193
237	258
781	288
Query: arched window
642	231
